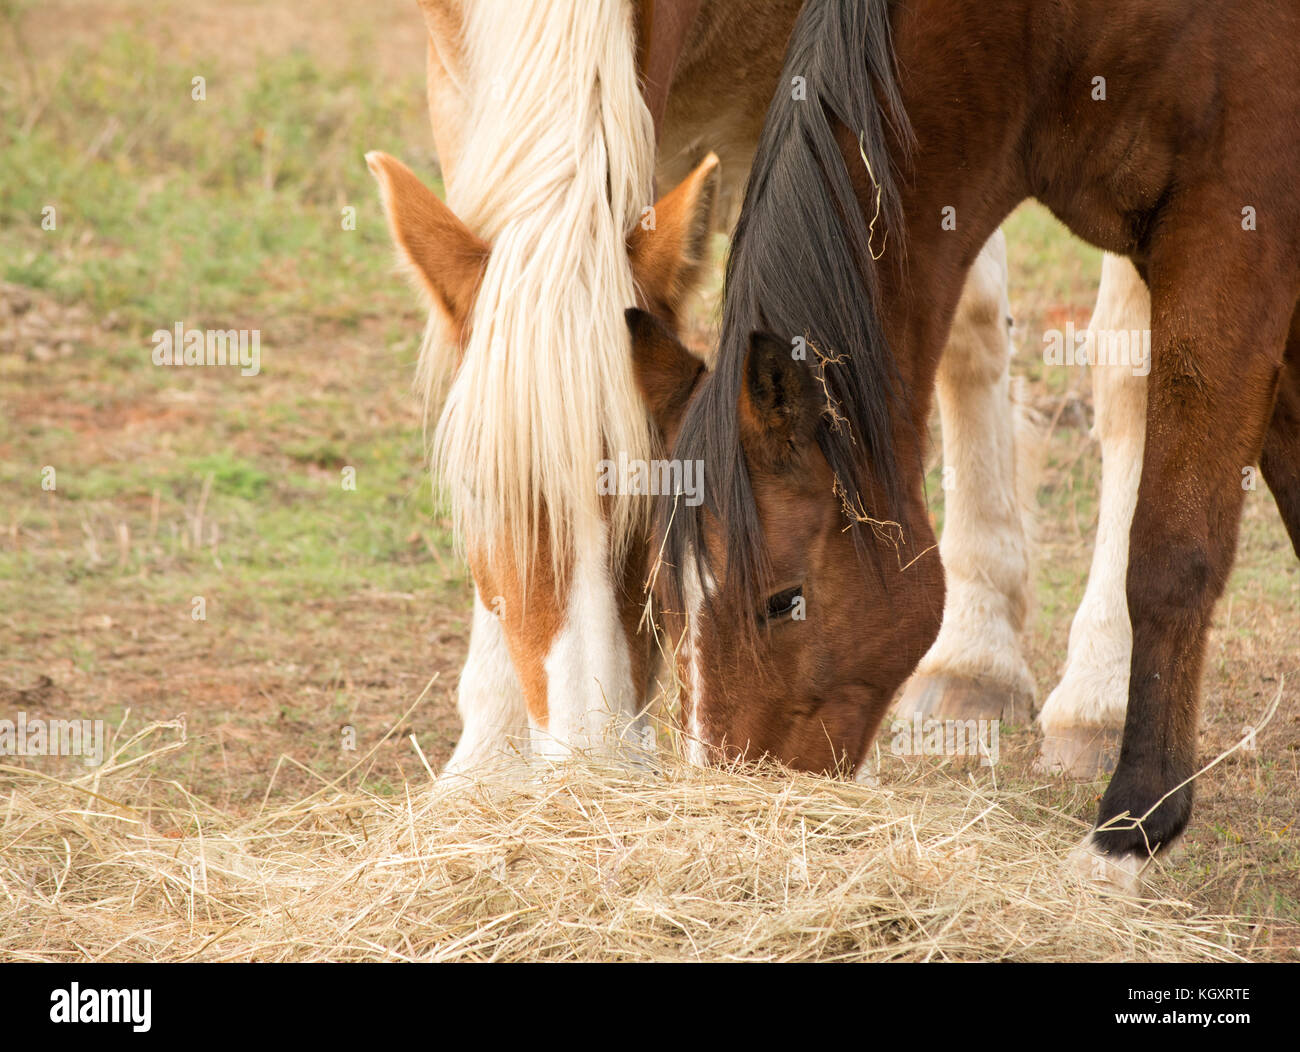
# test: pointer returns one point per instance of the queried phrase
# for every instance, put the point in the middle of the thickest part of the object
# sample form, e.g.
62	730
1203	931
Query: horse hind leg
976	667
1083	718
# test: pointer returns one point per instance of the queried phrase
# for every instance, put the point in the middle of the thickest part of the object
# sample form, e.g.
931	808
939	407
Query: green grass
208	211
226	212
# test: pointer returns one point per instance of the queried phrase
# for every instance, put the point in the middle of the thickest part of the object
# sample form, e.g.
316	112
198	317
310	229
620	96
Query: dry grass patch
581	863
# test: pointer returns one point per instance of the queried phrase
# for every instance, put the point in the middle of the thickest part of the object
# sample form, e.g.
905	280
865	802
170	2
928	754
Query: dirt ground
328	609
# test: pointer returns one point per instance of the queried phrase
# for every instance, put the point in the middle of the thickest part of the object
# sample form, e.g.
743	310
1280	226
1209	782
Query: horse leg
1280	461
490	700
1083	717
1215	367
592	682
976	668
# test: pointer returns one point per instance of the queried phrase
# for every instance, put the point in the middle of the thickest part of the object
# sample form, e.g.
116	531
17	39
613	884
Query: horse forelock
555	170
803	264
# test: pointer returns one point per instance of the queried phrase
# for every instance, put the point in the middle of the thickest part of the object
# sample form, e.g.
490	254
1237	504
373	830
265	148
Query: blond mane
554	171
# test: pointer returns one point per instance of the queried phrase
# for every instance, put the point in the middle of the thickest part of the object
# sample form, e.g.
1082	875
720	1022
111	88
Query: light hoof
1081	753
941	697
1119	874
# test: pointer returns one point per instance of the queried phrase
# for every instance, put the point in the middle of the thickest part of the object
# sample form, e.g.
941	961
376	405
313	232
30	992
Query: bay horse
1161	132
555	657
977	666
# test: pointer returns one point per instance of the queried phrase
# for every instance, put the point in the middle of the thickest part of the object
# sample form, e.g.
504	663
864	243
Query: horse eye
782	604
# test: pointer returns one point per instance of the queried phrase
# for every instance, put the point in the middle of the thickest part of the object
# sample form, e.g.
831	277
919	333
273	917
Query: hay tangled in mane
802	264
584	863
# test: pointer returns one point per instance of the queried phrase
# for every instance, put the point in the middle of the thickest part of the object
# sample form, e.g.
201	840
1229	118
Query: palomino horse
559	668
1157	131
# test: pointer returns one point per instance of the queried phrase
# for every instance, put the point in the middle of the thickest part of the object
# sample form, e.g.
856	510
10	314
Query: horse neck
960	177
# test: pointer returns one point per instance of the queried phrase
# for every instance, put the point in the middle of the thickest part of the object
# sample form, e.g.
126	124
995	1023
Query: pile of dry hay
582	864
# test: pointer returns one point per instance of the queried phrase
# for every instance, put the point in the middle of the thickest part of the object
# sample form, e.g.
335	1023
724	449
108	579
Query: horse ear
779	405
666	371
443	253
669	248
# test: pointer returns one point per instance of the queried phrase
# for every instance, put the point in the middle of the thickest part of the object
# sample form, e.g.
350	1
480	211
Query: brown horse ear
779	404
669	248
666	372
441	251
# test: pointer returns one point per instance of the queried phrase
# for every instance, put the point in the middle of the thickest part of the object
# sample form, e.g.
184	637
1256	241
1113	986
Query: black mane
801	265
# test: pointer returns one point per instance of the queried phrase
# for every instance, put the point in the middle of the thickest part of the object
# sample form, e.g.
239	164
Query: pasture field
180	491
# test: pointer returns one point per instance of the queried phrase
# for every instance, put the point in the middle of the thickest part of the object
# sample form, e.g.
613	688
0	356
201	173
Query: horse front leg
1083	718
490	700
976	667
1219	335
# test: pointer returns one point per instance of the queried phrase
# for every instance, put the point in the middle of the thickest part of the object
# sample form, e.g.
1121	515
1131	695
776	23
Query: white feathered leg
1083	718
976	667
490	701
